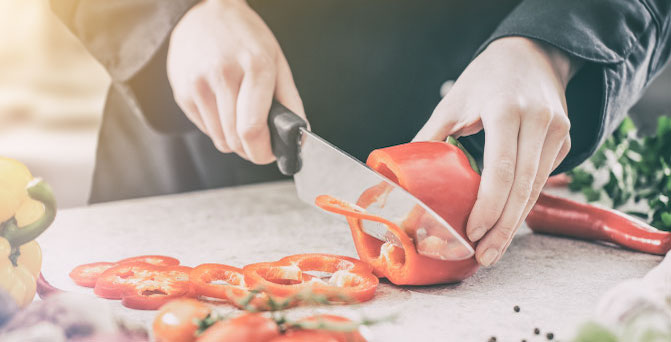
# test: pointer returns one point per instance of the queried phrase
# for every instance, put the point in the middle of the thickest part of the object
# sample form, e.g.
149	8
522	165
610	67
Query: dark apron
369	73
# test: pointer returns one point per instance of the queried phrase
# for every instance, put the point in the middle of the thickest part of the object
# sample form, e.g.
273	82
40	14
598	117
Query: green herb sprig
638	168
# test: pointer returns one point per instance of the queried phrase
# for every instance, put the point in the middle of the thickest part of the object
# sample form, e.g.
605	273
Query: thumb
286	92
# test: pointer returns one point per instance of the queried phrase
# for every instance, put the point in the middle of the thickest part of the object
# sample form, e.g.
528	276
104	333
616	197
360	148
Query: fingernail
477	234
487	259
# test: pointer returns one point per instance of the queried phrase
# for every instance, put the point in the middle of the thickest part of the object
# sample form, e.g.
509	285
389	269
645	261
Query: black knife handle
284	137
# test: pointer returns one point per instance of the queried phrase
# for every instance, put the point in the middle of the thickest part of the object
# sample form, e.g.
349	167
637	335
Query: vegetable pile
188	320
147	282
27	208
446	179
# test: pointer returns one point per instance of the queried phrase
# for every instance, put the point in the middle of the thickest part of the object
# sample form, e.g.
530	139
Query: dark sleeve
123	35
624	44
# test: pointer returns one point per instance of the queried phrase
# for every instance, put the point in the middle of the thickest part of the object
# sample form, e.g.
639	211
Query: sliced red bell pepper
86	275
144	283
151	294
561	216
226	283
350	279
441	176
157	260
112	283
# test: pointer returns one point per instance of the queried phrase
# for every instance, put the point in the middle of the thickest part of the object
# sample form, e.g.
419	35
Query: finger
207	106
533	131
448	119
191	111
226	90
500	156
556	147
563	152
254	101
286	92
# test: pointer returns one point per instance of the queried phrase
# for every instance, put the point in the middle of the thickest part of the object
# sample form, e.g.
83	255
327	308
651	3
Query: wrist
563	65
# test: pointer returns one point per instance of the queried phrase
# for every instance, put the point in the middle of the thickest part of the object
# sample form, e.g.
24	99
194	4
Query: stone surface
556	282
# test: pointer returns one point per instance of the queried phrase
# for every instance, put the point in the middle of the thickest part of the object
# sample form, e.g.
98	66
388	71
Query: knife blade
320	168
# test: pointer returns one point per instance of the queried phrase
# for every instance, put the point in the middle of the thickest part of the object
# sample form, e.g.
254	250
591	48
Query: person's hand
514	90
224	66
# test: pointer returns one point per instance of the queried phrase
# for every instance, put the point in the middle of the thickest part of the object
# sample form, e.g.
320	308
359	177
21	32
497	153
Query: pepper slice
350	279
151	294
86	275
440	175
112	282
226	283
157	260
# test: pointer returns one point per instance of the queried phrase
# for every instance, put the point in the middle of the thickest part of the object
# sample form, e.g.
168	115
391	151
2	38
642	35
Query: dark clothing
369	74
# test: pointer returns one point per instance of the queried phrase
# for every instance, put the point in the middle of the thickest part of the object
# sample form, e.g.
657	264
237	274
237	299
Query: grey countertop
555	281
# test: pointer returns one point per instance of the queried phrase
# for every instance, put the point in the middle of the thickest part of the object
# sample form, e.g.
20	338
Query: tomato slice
86	275
157	260
350	279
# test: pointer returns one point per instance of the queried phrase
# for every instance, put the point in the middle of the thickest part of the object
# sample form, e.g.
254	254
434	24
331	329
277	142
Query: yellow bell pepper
27	208
20	280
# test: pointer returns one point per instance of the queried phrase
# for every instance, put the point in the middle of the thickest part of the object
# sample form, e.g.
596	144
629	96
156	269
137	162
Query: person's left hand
514	90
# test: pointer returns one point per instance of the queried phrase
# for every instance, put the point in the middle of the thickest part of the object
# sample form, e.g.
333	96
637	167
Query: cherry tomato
176	320
249	327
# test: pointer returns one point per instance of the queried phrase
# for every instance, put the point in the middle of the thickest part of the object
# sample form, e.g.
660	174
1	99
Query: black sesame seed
537	331
550	336
516	308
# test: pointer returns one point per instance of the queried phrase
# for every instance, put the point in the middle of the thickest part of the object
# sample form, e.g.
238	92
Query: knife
320	168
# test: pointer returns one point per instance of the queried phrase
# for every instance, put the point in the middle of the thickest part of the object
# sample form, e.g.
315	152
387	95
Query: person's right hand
225	66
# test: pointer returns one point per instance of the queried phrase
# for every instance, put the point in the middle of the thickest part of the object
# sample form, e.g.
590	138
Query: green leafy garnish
638	170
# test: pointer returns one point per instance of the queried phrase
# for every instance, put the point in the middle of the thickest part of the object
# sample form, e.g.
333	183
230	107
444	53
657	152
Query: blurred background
52	93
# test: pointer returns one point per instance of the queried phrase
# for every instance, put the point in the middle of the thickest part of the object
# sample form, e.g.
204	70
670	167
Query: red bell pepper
350	279
157	260
561	216
442	176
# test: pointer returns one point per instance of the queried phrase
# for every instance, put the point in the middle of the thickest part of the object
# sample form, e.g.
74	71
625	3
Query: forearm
123	35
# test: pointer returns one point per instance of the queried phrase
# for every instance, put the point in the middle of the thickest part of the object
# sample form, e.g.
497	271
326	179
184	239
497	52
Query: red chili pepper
440	175
350	279
561	216
86	275
112	283
151	294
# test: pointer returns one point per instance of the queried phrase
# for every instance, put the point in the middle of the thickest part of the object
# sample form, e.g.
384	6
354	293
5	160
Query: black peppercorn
516	308
492	339
550	336
537	331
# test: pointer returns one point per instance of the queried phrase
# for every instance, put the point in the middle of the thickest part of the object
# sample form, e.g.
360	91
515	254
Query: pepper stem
40	191
452	141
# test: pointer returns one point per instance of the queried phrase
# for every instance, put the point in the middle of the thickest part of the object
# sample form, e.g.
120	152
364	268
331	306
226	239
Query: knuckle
251	131
257	62
504	232
227	70
562	125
